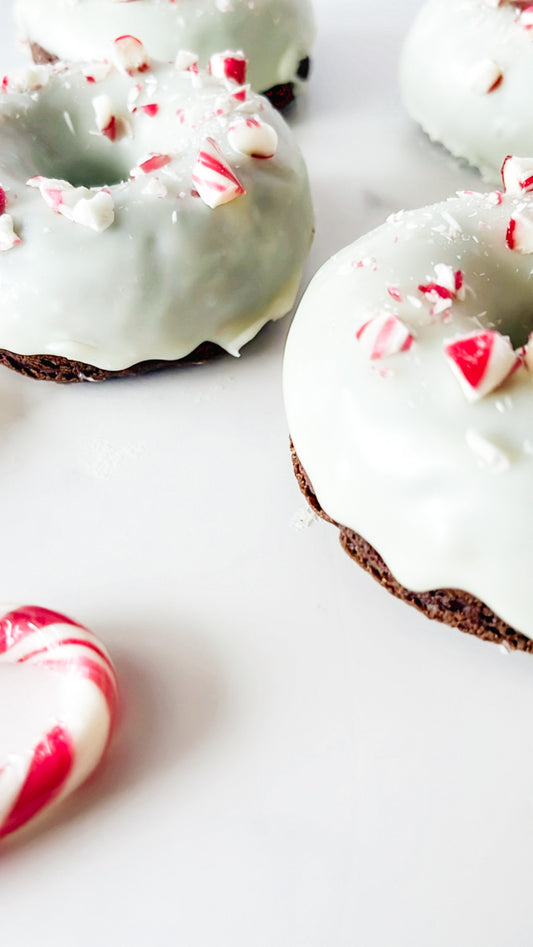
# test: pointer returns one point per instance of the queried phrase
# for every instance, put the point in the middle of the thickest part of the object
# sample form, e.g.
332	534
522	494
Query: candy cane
73	743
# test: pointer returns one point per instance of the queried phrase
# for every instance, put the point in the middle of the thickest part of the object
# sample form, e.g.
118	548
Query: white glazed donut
72	742
276	36
409	393
466	75
149	209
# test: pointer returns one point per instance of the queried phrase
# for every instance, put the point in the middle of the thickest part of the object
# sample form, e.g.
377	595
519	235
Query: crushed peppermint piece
519	234
213	178
487	453
129	55
3	201
93	209
106	120
481	362
186	61
29	79
527	353
229	65
517	175
151	110
155	188
97	71
394	293
384	334
525	18
251	136
96	212
485	77
153	162
8	237
447	286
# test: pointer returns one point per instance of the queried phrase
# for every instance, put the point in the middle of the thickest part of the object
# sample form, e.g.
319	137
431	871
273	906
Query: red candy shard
471	356
154	162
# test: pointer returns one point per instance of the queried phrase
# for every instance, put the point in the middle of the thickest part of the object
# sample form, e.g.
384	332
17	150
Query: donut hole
64	147
506	292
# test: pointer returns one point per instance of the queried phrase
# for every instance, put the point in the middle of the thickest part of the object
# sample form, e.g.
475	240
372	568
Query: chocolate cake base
451	606
64	370
280	96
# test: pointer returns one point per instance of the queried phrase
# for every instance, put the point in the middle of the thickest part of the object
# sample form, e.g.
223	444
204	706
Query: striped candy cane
73	743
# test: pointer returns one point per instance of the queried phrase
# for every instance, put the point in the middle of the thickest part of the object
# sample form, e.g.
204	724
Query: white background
303	761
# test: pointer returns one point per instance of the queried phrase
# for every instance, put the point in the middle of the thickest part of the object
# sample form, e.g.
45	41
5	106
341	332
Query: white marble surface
303	761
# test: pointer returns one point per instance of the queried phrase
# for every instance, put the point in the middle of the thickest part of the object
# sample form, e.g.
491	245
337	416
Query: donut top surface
147	208
409	396
466	74
275	35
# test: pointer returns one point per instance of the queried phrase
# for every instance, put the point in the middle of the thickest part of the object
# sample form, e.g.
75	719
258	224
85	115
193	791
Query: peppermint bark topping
251	136
92	209
213	178
384	334
129	55
517	175
481	362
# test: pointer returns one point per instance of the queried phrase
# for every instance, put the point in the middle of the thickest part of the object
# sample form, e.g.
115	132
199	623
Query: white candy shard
481	362
186	61
96	212
8	237
519	234
526	18
97	71
93	209
213	178
384	334
29	79
106	121
129	55
250	136
517	175
488	454
485	76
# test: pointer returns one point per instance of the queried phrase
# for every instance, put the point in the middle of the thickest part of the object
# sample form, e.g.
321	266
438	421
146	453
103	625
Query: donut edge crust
64	371
279	96
450	606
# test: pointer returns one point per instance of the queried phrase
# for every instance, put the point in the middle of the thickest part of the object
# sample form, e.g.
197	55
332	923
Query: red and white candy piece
447	286
8	237
517	175
485	76
481	362
251	136
527	353
106	120
526	18
186	61
519	234
129	55
72	742
92	209
213	178
229	65
384	334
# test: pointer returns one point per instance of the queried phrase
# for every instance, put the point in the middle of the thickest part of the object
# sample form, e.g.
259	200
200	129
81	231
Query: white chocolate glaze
275	35
441	486
456	52
149	270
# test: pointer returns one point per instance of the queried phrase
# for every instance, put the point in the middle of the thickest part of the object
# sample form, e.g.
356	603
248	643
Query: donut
276	37
409	390
34	778
466	72
150	213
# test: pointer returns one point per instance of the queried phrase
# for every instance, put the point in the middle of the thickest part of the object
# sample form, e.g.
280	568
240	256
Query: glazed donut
150	213
75	666
409	393
466	73
276	36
